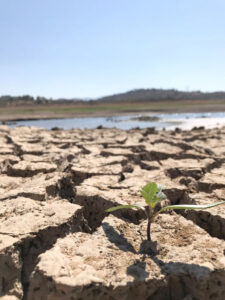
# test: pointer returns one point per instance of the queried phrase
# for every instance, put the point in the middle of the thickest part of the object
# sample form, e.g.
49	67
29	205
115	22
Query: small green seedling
153	194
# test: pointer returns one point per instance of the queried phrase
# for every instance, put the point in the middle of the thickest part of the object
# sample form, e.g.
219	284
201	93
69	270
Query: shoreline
12	119
75	116
127	121
50	112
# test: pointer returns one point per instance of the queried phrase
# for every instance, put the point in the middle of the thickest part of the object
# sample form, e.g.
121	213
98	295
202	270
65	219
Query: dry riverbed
57	242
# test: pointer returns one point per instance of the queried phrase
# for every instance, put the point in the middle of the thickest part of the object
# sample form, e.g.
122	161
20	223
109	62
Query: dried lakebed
57	242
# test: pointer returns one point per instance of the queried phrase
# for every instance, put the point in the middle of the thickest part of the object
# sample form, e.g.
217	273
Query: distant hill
160	94
130	96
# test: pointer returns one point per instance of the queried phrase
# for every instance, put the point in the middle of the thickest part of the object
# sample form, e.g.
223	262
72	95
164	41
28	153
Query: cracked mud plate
57	242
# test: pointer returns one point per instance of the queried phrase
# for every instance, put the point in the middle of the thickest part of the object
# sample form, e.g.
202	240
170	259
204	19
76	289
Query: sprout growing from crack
153	194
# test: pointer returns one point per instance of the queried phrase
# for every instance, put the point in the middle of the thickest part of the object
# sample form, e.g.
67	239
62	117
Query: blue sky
90	48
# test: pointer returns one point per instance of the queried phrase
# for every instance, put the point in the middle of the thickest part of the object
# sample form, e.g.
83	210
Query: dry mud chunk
163	147
187	163
149	165
125	191
196	173
93	148
219	194
63	149
98	160
102	182
219	171
27	169
121	138
219	149
8	182
40	187
10	158
97	199
173	142
215	144
116	151
213	219
22	220
10	266
139	177
8	297
111	195
6	150
58	139
4	128
185	167
3	141
192	154
211	181
133	138
116	262
94	165
36	158
24	130
23	216
35	149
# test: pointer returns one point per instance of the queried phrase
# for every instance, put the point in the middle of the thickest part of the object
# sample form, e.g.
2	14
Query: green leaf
149	193
152	193
190	206
111	209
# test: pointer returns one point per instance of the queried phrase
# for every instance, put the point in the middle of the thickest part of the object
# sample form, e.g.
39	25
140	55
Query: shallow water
167	121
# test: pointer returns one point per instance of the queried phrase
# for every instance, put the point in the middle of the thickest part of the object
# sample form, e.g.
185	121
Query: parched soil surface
57	242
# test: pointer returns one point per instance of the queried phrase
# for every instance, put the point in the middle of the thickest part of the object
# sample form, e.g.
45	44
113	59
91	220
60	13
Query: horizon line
114	94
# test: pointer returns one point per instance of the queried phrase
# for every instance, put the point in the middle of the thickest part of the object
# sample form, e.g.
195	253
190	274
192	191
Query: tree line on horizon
130	96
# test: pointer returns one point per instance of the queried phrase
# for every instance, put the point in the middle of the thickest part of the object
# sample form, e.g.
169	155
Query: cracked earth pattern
57	242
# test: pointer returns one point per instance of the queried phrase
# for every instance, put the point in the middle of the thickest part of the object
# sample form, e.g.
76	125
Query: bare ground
57	242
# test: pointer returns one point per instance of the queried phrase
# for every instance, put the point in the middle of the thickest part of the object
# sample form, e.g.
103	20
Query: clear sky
90	48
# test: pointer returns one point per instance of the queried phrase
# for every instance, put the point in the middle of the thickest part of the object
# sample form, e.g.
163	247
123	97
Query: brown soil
57	242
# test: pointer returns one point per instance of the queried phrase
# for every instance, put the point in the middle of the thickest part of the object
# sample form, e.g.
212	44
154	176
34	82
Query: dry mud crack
57	242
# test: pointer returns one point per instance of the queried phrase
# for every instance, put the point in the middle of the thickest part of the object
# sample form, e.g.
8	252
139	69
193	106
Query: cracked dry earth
57	242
